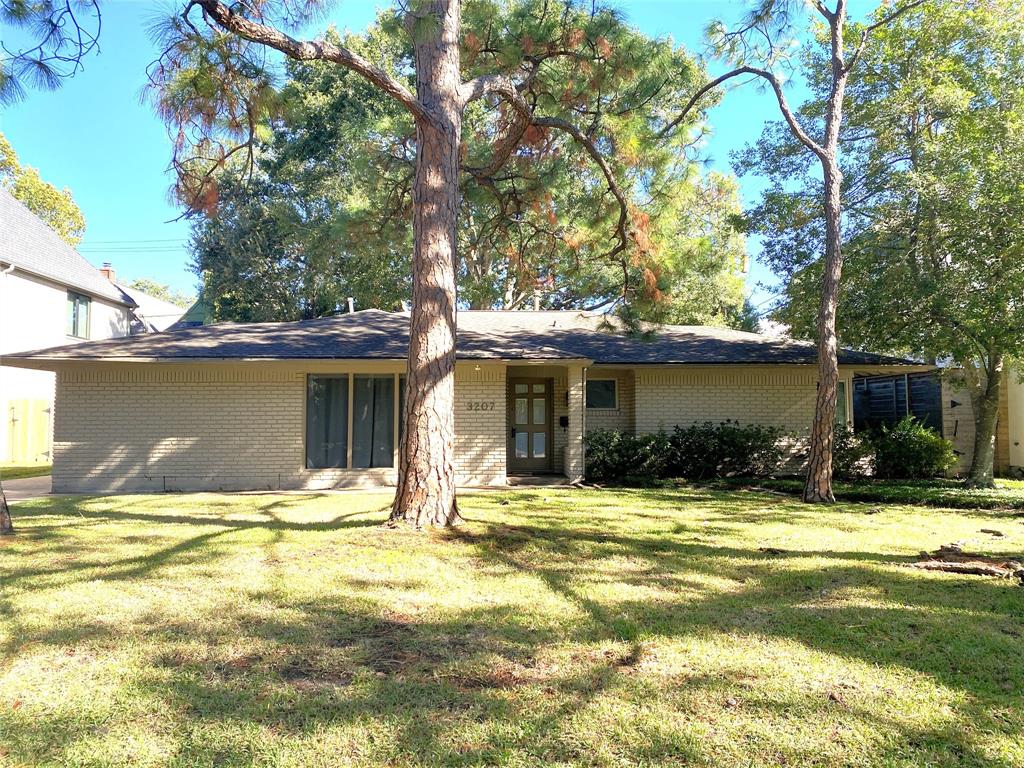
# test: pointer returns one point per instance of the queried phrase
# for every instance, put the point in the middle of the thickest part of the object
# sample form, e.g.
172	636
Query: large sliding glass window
327	422
357	409
373	421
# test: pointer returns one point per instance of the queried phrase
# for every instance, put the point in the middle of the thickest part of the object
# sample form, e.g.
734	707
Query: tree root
953	559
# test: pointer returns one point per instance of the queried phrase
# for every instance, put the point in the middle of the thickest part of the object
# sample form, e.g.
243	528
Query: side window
602	393
78	315
842	414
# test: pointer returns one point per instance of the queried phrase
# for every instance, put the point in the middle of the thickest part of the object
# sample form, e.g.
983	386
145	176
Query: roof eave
124	301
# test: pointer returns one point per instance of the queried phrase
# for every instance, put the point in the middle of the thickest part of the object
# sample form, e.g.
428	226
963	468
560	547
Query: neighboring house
49	296
150	315
317	404
1014	421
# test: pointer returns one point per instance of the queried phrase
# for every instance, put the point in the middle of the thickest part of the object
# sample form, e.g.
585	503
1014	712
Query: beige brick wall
779	396
213	427
480	427
1015	420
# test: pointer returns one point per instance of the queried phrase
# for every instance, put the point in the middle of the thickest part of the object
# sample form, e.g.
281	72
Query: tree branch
887	19
787	113
264	34
505	88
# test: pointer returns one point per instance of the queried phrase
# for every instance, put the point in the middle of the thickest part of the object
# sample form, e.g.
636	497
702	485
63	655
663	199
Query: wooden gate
28	431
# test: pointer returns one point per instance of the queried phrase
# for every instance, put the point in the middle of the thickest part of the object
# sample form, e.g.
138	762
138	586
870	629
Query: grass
1008	494
555	628
21	471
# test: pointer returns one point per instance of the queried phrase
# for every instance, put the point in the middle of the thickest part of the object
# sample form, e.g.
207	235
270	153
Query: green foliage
162	291
726	449
696	452
330	194
45	42
850	453
933	154
910	450
54	206
615	456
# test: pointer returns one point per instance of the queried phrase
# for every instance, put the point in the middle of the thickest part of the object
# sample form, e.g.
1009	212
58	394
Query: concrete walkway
28	488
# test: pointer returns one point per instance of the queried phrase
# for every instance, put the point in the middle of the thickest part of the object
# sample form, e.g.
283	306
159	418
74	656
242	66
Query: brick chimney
108	271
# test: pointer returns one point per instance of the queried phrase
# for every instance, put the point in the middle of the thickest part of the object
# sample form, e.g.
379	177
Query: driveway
29	488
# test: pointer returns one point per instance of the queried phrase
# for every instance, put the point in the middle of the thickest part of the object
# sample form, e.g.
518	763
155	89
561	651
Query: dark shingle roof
30	245
374	334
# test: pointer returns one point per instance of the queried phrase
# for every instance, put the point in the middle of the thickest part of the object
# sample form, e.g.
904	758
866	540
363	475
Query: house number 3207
480	405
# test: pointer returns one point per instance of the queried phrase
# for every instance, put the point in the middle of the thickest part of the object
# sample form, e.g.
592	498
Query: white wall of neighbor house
1015	415
958	424
235	427
33	315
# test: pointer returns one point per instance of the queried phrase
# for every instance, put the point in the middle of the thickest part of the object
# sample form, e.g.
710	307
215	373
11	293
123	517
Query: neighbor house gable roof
378	335
154	313
31	246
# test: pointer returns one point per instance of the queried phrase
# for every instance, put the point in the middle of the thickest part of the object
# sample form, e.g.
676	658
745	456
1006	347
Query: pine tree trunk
986	417
818	487
6	524
426	474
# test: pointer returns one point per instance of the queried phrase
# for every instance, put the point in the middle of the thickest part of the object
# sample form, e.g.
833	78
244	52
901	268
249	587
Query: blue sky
97	137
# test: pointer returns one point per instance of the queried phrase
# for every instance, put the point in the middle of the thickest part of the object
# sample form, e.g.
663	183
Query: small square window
602	393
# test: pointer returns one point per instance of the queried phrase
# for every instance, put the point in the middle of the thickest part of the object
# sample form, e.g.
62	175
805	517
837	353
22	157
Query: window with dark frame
602	393
370	420
78	315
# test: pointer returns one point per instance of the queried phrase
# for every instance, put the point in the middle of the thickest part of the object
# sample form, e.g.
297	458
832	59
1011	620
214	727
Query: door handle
513	432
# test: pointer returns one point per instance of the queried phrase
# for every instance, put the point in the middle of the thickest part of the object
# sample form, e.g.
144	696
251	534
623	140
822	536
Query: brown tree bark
6	524
986	415
818	486
426	472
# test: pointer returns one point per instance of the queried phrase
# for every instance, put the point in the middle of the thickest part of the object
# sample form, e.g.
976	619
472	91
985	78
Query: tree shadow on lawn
477	685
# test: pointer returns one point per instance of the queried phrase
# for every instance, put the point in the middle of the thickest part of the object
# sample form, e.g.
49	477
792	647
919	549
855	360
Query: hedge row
729	449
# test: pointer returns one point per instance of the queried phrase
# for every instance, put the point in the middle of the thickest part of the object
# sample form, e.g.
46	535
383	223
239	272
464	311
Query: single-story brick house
317	404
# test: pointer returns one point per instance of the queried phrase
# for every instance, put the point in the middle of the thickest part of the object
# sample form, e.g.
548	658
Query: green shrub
850	454
617	456
697	452
911	450
728	449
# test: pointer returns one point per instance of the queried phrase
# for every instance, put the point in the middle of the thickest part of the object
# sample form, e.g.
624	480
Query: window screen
326	422
373	421
601	393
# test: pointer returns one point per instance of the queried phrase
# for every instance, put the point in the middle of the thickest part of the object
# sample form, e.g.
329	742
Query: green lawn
1008	494
556	628
21	471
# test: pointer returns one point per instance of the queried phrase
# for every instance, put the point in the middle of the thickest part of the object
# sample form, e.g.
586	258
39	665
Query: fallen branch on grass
952	558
